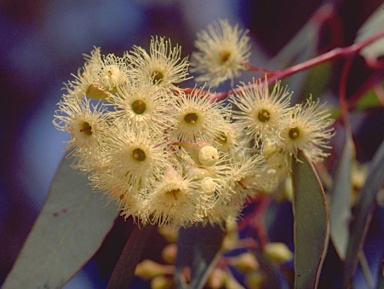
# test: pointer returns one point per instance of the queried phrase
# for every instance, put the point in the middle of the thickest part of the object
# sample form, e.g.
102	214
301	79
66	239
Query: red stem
336	53
253	68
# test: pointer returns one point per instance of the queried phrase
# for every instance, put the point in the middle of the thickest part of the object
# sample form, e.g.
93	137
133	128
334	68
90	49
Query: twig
336	53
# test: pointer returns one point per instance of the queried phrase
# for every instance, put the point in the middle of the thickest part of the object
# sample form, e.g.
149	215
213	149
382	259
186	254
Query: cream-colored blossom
308	129
174	200
162	66
222	53
275	169
88	126
136	158
261	113
143	107
197	119
100	76
171	156
246	176
221	210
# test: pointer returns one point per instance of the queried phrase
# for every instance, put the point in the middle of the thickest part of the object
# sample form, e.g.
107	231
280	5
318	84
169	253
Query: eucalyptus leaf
305	37
198	248
311	231
68	232
373	25
368	100
132	254
299	49
340	210
363	214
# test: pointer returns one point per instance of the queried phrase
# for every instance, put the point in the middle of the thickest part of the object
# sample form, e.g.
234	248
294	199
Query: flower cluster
174	156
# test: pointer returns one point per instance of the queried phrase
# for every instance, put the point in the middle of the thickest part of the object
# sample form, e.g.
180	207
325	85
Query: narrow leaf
198	248
69	230
363	214
373	25
368	100
340	211
311	232
132	254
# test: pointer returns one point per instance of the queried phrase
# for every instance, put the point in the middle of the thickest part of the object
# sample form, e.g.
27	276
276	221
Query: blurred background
42	42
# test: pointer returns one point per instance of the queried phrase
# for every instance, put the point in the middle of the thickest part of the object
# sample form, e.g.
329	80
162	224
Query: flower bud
208	156
245	262
196	172
231	282
171	173
208	186
229	243
255	280
277	252
169	253
161	282
96	93
169	233
216	279
203	153
149	269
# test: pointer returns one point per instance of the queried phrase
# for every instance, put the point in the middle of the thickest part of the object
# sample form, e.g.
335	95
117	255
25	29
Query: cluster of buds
237	258
176	156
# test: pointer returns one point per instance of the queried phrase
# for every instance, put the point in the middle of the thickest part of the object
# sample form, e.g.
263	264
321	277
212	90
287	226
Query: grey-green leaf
374	24
69	230
363	214
311	231
198	248
340	210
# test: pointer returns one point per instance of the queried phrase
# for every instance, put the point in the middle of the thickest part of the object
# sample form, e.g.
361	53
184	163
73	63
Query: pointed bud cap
203	153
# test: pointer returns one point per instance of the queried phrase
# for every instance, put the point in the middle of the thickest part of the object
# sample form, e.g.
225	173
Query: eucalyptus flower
162	66
308	128
261	113
222	53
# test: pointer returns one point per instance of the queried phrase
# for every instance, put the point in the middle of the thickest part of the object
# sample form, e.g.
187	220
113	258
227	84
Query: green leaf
368	100
363	214
340	210
69	230
311	232
132	254
318	79
198	248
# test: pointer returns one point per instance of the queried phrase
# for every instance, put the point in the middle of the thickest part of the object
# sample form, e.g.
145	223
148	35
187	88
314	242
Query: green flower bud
245	262
277	252
149	269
